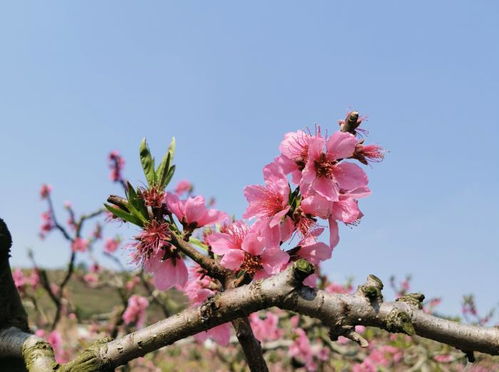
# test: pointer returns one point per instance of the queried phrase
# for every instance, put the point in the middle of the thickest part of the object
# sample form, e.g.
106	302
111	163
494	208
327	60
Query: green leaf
170	174
172	147
137	213
124	215
147	163
136	203
162	171
164	168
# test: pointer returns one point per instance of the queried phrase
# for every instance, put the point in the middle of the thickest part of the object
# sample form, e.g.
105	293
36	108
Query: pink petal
273	172
276	219
347	210
168	274
233	259
220	243
175	205
317	206
195	209
334	237
326	188
213	216
341	145
253	244
220	334
350	176
273	260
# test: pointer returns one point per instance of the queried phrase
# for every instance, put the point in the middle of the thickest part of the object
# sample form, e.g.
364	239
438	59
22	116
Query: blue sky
228	79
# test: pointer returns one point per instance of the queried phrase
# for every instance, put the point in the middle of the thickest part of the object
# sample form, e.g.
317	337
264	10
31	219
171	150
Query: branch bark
285	291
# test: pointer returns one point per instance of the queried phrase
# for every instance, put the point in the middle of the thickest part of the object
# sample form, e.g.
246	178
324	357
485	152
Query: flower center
251	264
324	167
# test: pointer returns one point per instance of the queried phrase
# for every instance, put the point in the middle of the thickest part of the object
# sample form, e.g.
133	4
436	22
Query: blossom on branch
154	250
243	249
192	212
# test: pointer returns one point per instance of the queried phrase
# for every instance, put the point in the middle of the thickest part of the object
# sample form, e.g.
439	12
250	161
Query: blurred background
227	79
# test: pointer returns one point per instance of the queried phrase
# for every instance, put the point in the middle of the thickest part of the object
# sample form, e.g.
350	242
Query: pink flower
266	329
294	149
111	245
192	213
245	250
345	209
269	204
153	197
198	289
313	250
200	286
168	273
135	312
302	350
45	191
79	245
159	257
116	164
324	174
182	187
47	224
220	334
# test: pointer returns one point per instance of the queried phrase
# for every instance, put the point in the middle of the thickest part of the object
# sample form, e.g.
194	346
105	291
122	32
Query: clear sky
228	79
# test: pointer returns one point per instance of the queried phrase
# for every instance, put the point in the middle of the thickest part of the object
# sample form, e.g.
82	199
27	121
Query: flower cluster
326	186
314	177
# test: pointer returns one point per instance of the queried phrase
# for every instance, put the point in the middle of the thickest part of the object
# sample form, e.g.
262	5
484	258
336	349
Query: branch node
301	269
348	332
208	309
33	352
372	289
89	360
413	299
399	321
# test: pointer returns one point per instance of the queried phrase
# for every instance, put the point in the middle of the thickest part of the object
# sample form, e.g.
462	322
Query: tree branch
284	290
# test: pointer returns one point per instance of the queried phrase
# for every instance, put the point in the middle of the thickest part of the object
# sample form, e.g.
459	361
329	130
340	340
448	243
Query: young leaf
138	214
169	176
162	171
172	147
147	163
124	215
136	202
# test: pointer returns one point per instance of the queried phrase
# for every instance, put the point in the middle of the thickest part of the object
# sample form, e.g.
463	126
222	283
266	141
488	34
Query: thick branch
281	290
